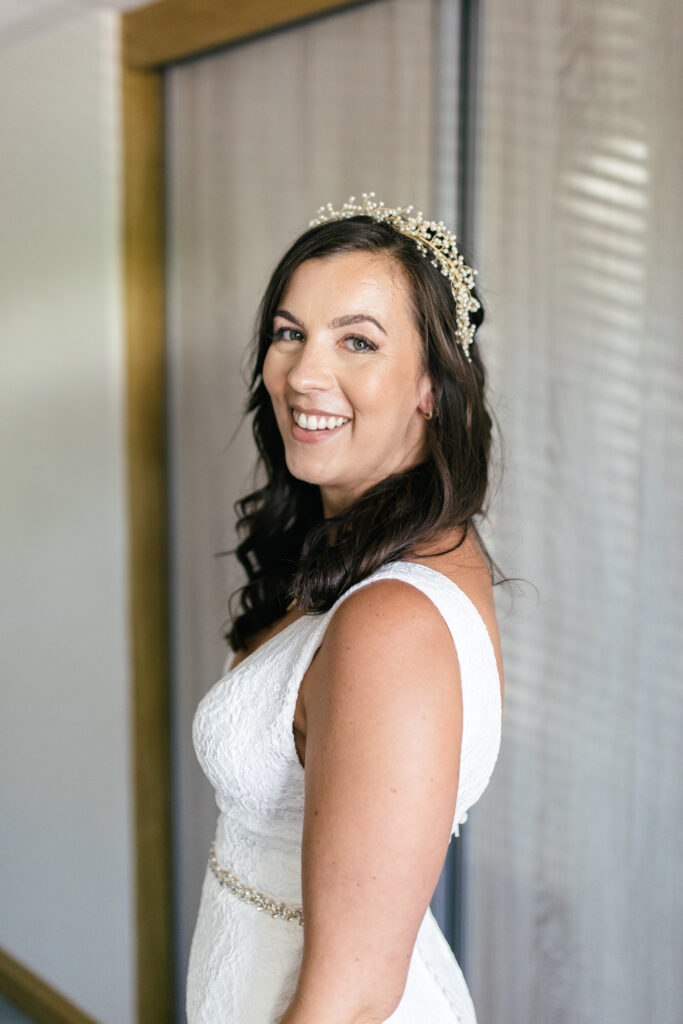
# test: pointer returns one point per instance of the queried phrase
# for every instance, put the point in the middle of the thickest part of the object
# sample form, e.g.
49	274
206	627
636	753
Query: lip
314	436
318	412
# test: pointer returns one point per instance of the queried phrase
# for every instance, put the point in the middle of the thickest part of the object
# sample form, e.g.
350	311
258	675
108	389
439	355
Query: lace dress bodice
244	963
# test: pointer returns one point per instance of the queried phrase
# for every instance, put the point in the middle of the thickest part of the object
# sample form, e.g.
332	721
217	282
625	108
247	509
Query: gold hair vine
434	241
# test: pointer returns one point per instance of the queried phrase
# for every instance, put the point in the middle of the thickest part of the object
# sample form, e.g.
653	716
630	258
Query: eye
286	334
369	345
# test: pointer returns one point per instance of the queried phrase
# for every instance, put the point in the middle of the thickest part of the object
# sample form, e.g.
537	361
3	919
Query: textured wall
66	908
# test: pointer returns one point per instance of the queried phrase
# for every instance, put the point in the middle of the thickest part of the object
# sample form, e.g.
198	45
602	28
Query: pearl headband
434	241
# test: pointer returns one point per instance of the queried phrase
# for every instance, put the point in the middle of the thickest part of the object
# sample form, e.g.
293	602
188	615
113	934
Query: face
346	352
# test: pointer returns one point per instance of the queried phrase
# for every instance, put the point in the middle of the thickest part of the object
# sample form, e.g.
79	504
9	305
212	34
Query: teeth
318	422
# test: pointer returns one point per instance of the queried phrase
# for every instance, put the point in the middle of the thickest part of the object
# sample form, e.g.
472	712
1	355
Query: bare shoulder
387	685
386	618
385	639
388	633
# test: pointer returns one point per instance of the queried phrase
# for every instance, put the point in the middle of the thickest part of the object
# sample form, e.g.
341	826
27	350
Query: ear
425	394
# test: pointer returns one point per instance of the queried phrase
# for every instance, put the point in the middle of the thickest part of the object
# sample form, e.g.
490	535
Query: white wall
66	885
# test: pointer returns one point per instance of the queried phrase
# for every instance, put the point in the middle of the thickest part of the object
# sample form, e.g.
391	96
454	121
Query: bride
360	717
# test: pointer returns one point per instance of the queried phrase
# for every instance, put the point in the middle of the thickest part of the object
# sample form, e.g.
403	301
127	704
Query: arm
384	728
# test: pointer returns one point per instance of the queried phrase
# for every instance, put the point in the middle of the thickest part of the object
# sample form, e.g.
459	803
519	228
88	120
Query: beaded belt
285	911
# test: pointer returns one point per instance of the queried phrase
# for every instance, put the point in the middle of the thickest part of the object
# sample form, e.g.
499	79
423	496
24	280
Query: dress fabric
244	964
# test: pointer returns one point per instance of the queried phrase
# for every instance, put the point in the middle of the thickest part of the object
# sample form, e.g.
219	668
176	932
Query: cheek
368	391
386	397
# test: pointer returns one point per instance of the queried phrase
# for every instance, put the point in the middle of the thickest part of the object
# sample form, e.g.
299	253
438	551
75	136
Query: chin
307	472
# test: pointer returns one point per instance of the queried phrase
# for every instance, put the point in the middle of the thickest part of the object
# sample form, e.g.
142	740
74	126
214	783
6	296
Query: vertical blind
574	857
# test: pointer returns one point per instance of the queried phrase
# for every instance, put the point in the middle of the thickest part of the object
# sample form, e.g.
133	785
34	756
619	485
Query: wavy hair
288	549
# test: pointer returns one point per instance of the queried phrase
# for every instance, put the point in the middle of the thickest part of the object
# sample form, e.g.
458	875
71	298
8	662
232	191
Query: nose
311	368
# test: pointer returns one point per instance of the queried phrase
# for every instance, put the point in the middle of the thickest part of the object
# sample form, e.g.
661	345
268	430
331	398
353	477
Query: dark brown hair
288	548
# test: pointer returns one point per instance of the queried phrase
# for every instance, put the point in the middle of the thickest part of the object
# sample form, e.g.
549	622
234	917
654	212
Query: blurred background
155	160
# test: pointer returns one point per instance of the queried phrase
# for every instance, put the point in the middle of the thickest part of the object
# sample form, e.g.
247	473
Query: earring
428	415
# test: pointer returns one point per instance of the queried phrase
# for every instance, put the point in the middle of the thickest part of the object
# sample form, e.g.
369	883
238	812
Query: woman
360	718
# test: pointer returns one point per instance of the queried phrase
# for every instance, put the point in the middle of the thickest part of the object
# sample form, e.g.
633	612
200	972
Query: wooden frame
40	1001
152	37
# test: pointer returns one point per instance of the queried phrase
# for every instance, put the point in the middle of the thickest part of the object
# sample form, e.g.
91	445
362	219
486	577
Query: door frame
152	37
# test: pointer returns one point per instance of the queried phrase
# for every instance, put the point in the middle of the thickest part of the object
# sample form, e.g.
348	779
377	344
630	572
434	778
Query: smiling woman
367	648
374	381
414	361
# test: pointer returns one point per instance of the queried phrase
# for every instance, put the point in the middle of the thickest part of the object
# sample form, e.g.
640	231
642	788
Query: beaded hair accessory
434	241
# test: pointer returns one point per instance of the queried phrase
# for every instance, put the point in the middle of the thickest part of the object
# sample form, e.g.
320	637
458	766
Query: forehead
354	282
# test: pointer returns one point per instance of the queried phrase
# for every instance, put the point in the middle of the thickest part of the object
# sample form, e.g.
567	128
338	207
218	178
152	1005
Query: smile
313	423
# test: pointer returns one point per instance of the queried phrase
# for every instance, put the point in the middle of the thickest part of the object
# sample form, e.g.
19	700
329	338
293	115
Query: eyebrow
340	321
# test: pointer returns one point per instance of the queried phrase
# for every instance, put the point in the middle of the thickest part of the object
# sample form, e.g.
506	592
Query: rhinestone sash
276	908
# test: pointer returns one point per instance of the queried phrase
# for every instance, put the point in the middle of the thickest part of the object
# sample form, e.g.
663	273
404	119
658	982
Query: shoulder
391	633
385	699
387	608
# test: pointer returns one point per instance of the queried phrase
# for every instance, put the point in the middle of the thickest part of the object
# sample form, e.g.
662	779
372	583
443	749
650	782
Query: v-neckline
267	642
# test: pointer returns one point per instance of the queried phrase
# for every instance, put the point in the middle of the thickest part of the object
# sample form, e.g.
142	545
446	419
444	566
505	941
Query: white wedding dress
244	963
